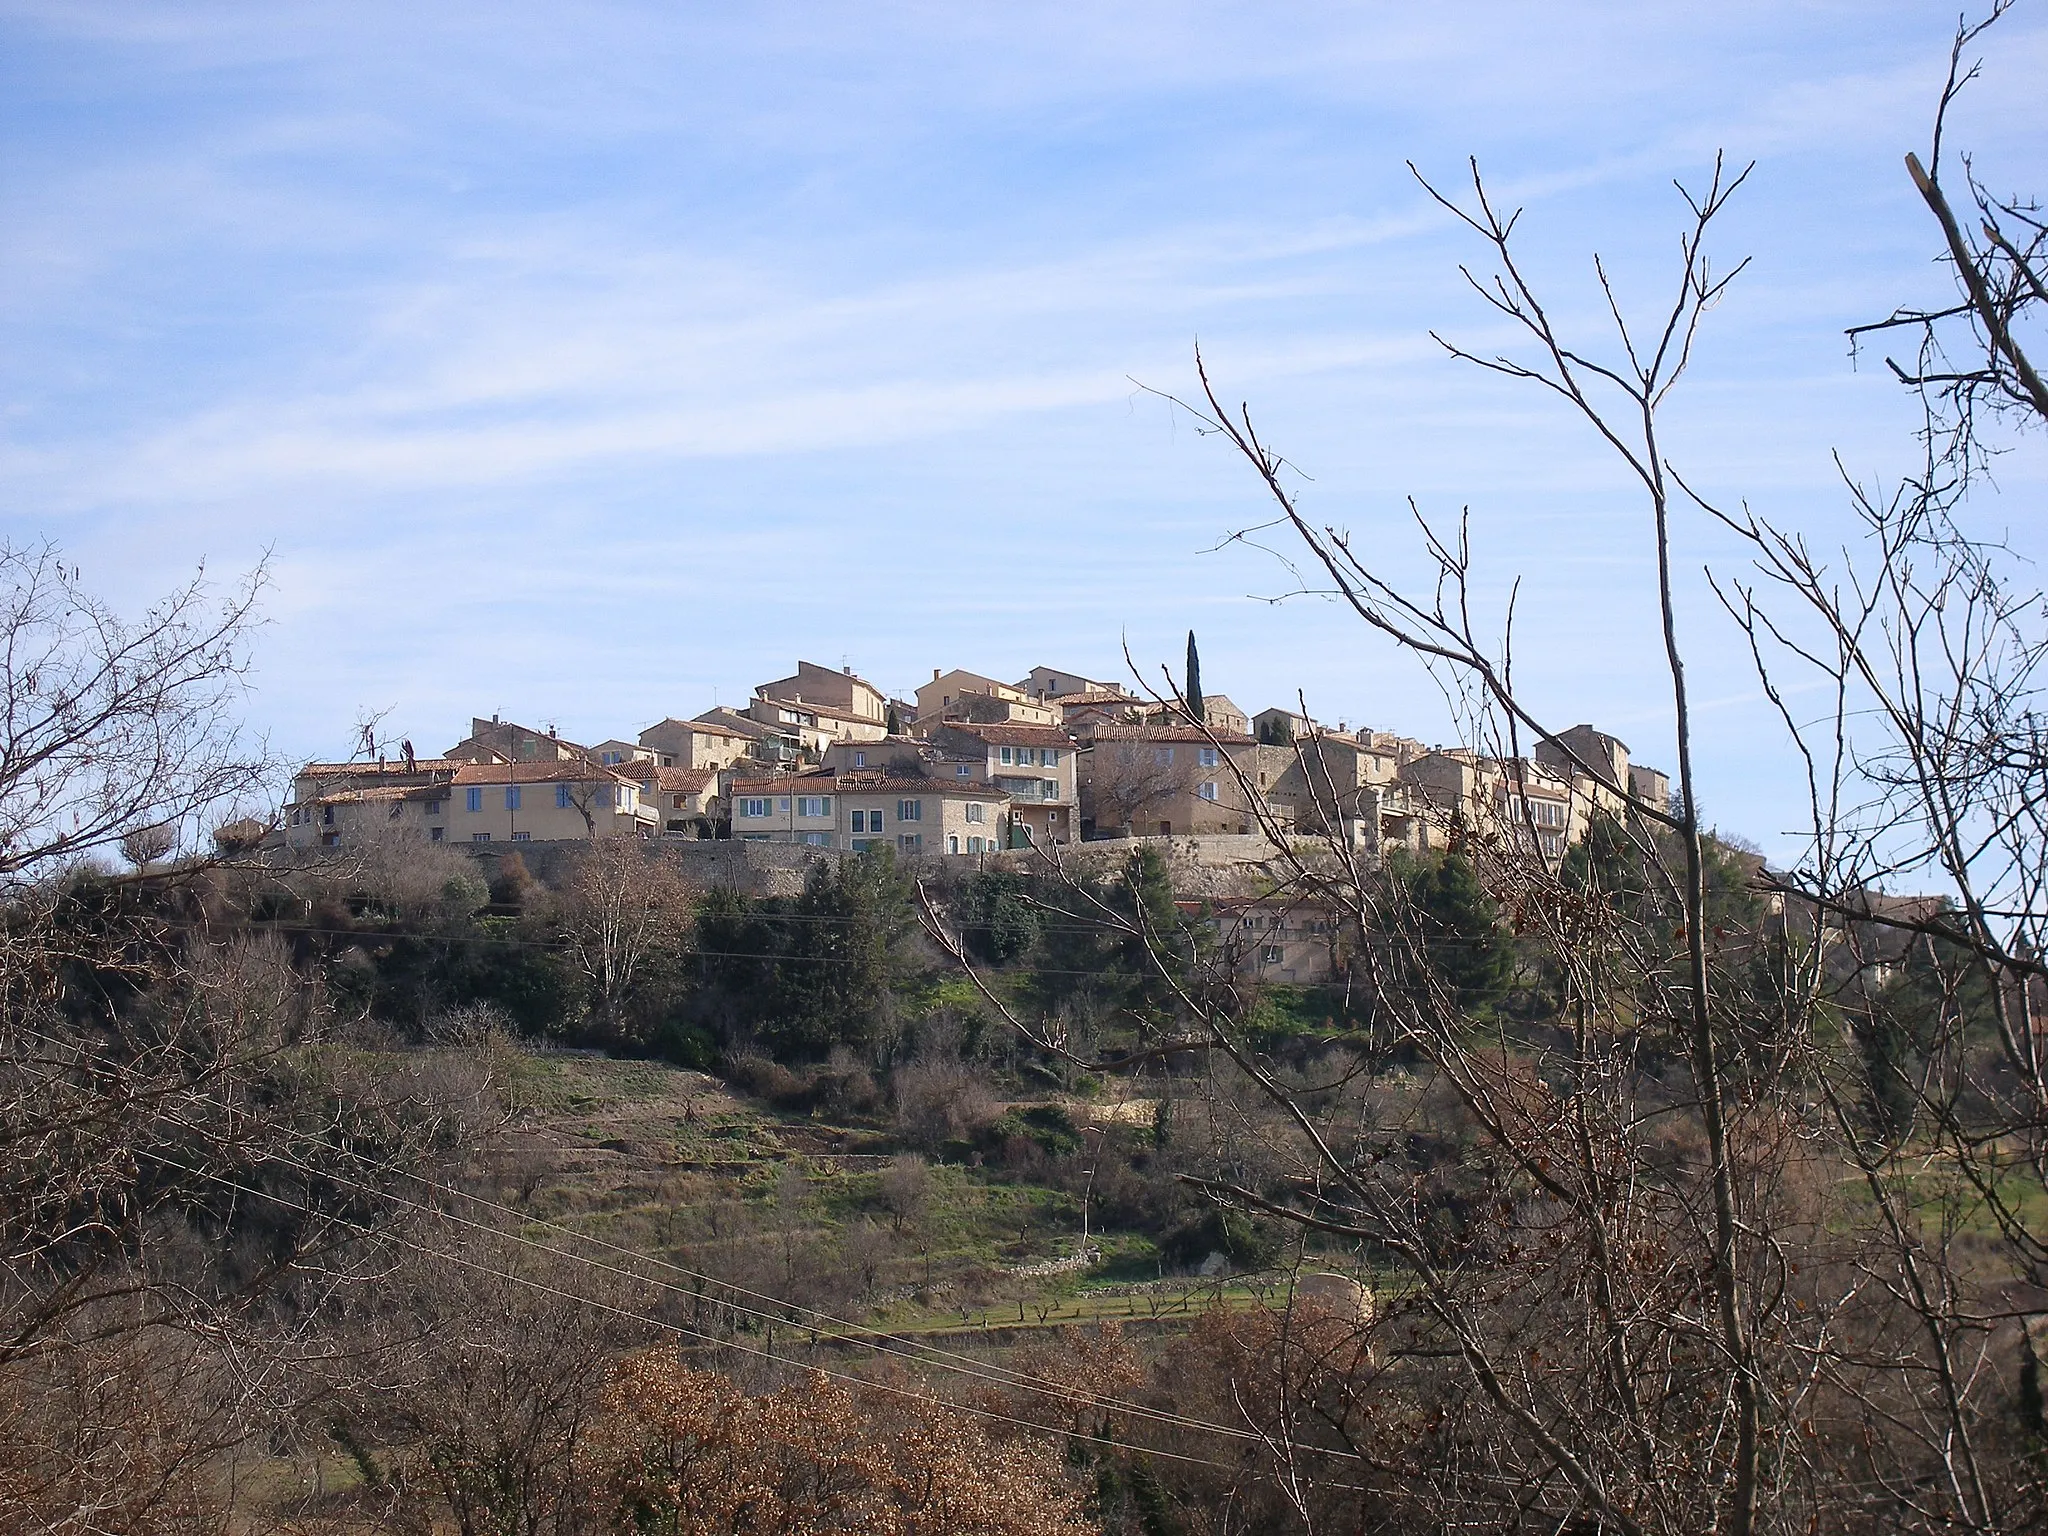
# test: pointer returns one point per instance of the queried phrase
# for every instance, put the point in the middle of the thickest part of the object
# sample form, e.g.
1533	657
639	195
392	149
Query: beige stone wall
615	810
1127	780
678	744
839	691
947	824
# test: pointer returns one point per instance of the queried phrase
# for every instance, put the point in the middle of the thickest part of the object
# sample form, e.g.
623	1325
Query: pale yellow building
968	696
1218	713
500	741
854	810
1036	765
1280	940
1161	779
823	705
686	801
545	801
698	744
813	727
1082	712
1046	683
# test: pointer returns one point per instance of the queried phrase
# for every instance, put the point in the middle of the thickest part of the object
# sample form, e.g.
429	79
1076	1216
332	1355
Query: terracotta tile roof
828	711
670	781
537	773
700	726
1170	734
1012	735
374	792
393	766
867	784
732	723
1090	696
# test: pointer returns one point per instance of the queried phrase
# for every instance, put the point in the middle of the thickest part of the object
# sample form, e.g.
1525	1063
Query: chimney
847	670
935	674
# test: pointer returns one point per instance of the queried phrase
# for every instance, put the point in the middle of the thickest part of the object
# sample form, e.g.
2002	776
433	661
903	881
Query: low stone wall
1221	865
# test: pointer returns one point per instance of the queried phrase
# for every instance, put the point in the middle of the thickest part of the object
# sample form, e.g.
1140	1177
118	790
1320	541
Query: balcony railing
1028	789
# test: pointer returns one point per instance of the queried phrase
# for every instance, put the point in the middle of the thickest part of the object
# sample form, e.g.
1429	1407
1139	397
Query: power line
684	1331
934	1354
991	1372
765	957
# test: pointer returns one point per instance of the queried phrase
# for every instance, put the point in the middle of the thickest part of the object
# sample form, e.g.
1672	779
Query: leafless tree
113	725
1127	780
625	904
1704	1293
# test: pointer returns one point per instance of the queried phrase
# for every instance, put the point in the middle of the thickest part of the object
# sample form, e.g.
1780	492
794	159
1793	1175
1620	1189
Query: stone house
853	810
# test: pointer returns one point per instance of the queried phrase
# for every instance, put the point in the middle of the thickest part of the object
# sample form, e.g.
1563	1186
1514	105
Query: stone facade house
853	810
1161	779
1036	765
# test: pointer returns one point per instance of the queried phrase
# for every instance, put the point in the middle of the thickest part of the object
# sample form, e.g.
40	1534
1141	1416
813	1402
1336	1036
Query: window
479	837
522	837
974	845
860	759
330	839
910	810
433	808
1208	789
814	805
952	843
782	804
626	796
679	802
964	771
474	800
754	807
1269	954
1008	756
562	801
815	839
1049	757
327	815
1208	757
1162	755
1051	787
860	822
434	833
975	810
910	842
611	759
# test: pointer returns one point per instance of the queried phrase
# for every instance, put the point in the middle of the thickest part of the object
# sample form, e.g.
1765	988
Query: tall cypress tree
1197	711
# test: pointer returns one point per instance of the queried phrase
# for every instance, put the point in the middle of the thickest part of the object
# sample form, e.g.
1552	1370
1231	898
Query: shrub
1246	1243
938	1102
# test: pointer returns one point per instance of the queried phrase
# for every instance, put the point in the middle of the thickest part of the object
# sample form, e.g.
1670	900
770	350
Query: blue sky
585	363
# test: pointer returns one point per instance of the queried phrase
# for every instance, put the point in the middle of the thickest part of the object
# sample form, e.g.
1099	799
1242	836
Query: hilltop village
970	766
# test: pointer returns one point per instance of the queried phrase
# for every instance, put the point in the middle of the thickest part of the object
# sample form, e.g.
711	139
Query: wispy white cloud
747	328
